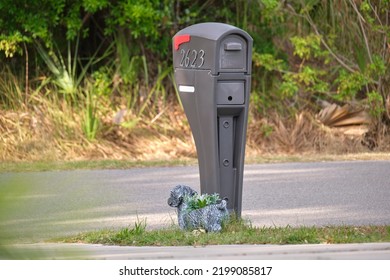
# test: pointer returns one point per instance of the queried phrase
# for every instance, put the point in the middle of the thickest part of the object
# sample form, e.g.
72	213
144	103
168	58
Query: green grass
235	232
36	166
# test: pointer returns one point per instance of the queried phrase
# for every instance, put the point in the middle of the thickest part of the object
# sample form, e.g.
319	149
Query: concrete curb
363	251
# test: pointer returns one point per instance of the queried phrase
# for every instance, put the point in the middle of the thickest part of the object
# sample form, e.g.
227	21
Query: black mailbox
212	63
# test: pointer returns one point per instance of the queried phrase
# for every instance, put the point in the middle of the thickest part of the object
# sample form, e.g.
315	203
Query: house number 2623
192	58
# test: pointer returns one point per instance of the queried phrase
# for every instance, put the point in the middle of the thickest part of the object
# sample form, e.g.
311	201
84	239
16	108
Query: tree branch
27	85
361	19
339	60
307	17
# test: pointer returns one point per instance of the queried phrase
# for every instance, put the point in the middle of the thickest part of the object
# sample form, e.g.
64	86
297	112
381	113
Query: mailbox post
212	63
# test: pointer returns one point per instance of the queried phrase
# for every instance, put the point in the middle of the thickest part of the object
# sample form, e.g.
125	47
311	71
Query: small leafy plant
200	201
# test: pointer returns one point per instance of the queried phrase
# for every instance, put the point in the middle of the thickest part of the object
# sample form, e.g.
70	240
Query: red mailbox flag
180	39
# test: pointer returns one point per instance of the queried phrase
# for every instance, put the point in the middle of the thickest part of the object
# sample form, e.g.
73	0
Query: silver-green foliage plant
200	201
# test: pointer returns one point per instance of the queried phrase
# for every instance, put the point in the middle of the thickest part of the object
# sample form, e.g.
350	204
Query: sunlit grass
92	164
27	166
236	231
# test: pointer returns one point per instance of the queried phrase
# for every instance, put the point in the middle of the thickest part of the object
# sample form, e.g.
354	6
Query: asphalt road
39	206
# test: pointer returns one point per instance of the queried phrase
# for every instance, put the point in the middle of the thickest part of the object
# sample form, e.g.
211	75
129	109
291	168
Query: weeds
127	234
90	124
66	75
11	90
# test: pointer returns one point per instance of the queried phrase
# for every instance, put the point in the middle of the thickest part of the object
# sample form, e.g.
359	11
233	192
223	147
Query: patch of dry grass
305	134
51	131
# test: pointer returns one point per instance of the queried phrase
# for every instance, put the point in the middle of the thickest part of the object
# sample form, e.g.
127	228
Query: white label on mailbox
186	89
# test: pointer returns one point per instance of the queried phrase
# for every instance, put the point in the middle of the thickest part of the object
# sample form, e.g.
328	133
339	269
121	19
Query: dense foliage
117	54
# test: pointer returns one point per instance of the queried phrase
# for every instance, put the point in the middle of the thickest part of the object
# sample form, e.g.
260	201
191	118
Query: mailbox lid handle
233	46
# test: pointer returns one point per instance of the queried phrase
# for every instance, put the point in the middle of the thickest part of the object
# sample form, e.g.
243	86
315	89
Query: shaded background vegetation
94	78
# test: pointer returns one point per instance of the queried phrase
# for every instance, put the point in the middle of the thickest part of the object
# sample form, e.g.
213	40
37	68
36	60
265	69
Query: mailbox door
233	54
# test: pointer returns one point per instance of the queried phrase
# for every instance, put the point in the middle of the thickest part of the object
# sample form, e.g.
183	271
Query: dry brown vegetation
47	133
